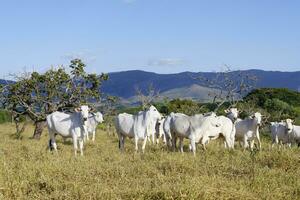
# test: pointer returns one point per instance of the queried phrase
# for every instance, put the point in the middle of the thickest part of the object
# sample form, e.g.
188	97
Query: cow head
99	117
232	113
155	115
289	125
84	111
257	117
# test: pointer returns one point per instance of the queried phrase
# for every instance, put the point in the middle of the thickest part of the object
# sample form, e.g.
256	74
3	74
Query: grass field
29	171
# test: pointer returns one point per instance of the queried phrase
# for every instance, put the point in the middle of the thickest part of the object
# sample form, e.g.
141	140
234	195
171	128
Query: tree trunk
38	130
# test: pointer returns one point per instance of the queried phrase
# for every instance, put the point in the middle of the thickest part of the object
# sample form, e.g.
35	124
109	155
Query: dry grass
29	171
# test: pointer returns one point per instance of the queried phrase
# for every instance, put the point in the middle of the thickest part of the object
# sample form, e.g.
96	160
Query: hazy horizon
161	36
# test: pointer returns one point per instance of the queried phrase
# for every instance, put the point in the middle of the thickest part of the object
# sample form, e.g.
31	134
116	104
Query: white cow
192	128
93	120
167	126
68	125
225	128
279	133
232	113
294	132
248	129
136	126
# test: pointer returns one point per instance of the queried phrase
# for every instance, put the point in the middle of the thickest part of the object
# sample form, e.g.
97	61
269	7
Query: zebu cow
232	113
167	126
294	132
136	126
68	125
192	128
248	129
93	120
225	128
279	133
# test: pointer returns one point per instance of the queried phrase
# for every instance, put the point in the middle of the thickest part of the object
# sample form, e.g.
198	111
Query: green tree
37	95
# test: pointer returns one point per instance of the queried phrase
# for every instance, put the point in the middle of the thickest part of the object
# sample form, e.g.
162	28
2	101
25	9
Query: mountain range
187	84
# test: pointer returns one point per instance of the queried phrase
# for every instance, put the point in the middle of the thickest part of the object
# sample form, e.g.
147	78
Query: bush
260	96
5	116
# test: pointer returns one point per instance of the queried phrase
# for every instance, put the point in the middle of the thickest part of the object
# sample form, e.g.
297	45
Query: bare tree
146	98
230	86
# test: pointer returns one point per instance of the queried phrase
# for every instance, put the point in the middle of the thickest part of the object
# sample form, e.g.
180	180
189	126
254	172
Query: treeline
275	104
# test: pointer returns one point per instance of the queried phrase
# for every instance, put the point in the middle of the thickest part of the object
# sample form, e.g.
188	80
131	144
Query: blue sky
164	36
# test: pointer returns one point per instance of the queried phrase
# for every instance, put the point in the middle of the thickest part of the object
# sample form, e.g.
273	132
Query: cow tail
232	135
50	145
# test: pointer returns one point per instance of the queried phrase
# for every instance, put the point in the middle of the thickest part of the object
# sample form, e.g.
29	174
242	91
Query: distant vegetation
275	104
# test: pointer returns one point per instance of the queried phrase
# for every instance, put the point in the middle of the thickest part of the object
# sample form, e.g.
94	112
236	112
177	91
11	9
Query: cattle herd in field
150	125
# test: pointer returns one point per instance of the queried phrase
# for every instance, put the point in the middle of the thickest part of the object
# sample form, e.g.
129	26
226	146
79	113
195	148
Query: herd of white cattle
150	125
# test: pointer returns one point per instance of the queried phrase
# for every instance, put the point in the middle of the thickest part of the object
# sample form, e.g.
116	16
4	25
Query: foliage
39	94
188	107
5	116
260	96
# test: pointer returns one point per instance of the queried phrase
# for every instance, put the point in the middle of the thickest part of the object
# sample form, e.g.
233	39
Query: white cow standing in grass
280	133
192	128
68	125
137	126
92	122
167	126
294	132
225	127
247	130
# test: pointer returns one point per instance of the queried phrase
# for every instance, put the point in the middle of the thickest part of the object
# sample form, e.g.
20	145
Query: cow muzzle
85	119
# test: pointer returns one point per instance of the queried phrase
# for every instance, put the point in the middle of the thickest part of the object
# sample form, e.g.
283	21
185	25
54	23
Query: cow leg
251	144
75	144
121	142
87	136
193	146
241	144
181	144
144	144
94	135
228	142
258	140
52	143
157	141
153	138
80	141
136	139
164	139
174	143
205	140
245	142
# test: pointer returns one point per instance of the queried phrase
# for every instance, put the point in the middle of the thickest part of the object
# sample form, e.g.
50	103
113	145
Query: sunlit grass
29	171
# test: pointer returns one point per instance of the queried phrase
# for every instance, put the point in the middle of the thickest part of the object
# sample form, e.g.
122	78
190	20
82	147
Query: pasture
29	171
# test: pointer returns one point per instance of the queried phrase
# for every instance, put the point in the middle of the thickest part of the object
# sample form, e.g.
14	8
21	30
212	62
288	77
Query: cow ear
226	111
78	109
